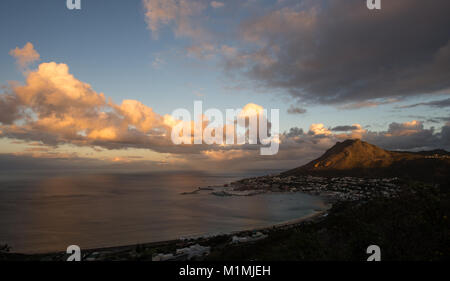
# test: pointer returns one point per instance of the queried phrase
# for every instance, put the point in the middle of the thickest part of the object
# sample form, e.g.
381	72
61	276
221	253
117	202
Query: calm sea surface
44	213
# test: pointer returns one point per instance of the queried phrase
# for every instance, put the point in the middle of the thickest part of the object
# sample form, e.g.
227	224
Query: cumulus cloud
406	128
319	130
26	55
53	107
410	135
298	148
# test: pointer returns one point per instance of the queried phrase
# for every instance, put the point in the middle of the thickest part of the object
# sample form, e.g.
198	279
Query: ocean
45	212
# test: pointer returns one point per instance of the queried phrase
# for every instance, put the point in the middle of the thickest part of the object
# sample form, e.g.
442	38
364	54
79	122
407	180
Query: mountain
362	159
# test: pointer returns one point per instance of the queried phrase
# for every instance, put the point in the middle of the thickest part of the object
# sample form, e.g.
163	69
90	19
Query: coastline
341	190
104	253
327	234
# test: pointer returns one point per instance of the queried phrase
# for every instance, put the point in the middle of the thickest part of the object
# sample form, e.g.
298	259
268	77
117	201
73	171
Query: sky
98	86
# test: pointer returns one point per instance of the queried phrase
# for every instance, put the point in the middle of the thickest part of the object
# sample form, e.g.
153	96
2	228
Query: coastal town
333	188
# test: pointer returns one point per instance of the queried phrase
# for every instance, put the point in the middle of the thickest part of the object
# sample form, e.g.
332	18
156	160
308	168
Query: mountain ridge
354	157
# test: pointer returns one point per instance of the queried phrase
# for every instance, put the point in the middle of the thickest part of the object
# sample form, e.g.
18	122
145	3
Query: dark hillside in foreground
360	159
412	227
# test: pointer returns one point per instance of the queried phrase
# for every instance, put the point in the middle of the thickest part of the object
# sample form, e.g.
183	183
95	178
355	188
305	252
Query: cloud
217	4
9	108
326	52
319	129
220	155
295	132
350	132
54	107
298	148
436	103
354	131
139	115
178	13
410	135
208	50
25	56
296	110
445	134
51	88
251	109
202	51
344	128
158	62
406	128
368	103
52	161
336	52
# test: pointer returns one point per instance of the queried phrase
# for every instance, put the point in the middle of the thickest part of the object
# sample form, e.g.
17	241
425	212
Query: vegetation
413	226
4	248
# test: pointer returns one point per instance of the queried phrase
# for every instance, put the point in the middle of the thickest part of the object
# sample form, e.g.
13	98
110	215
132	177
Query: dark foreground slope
361	159
412	227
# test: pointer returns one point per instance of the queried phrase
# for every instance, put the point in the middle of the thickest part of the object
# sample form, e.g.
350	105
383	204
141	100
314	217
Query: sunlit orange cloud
26	55
220	155
319	129
54	107
251	109
405	129
47	154
357	133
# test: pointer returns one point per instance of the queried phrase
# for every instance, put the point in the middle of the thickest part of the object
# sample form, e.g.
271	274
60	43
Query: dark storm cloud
445	135
296	110
436	103
339	51
411	136
27	162
9	108
295	132
345	128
